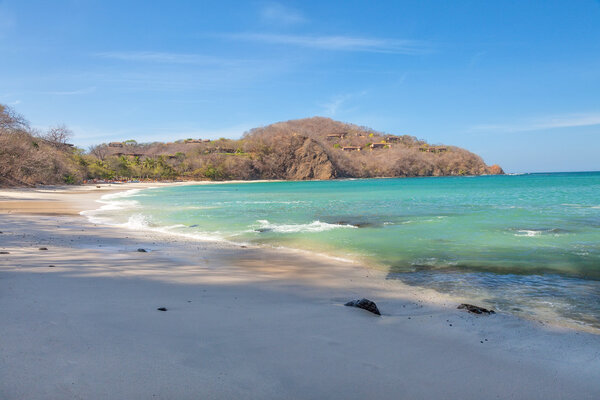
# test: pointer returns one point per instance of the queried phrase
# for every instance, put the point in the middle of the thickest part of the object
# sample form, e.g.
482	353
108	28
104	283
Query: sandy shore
80	321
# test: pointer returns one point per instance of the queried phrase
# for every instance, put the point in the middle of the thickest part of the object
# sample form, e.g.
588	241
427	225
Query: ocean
525	244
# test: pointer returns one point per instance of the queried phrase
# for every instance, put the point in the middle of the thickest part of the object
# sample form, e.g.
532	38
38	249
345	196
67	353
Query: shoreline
55	201
418	293
265	321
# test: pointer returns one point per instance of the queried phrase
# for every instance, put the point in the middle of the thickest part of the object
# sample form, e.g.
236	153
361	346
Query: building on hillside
115	144
393	139
336	135
130	155
433	149
374	146
351	148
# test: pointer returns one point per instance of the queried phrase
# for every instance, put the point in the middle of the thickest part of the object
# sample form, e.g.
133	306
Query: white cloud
85	136
276	13
550	122
341	43
164	58
336	103
7	20
73	92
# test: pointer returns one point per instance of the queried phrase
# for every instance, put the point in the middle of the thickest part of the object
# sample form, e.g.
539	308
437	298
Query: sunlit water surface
527	244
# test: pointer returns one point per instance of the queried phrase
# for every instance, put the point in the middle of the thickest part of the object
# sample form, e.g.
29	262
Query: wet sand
80	320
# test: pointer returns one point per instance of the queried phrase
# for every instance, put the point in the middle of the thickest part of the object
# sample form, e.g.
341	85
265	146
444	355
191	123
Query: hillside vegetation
312	148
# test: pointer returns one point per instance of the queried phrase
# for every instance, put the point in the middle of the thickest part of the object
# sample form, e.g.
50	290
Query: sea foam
315	226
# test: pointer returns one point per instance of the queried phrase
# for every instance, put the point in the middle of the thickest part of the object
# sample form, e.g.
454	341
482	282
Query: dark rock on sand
475	309
141	250
4	252
51	266
365	304
162	309
43	248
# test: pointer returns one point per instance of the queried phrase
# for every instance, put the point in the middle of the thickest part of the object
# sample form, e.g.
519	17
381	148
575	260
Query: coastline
253	322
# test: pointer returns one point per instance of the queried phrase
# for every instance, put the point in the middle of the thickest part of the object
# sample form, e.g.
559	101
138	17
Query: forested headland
303	149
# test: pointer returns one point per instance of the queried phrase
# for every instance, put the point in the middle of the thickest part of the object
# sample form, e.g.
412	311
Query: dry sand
80	321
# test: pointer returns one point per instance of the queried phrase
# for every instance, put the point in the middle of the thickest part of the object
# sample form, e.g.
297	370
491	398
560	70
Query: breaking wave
315	226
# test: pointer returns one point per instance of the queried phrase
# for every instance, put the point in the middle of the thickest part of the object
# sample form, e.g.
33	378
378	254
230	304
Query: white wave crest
315	226
527	232
137	222
119	195
111	202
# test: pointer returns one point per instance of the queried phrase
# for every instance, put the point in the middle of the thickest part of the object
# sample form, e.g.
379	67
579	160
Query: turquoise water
527	244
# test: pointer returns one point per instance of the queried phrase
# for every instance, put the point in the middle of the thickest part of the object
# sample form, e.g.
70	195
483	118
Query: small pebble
450	324
43	248
141	250
162	309
51	266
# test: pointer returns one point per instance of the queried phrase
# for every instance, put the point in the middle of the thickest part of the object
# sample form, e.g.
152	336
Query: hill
311	148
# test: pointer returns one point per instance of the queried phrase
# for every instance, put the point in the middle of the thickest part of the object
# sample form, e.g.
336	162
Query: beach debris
43	248
475	309
51	266
4	252
162	308
365	304
98	187
142	250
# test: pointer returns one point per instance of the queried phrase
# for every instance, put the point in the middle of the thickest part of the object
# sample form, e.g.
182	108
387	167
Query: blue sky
517	82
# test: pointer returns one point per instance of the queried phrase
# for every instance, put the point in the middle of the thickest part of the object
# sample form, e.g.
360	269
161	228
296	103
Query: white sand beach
80	321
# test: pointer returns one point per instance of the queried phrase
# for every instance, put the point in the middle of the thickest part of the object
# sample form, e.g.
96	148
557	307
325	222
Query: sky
517	82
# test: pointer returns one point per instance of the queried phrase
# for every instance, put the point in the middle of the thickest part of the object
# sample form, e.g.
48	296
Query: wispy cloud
72	92
550	122
7	20
336	103
339	43
276	13
476	59
165	58
85	136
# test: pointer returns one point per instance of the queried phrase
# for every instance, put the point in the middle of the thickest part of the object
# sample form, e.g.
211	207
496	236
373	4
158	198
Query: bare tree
10	120
100	151
58	134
